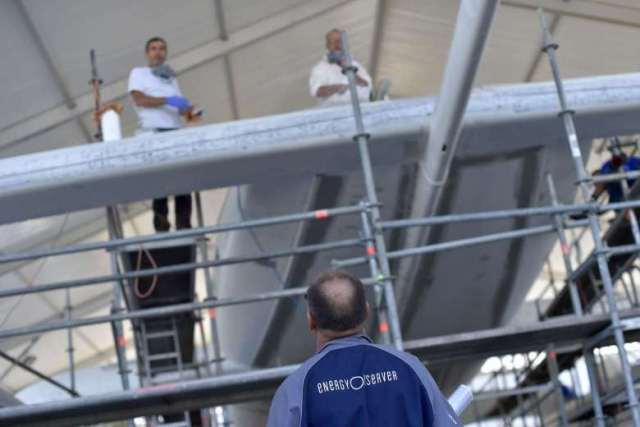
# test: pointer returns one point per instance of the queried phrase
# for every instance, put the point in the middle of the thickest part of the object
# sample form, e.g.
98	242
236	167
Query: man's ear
311	322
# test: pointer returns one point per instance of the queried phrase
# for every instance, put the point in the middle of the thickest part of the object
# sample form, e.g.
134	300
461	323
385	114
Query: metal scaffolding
520	393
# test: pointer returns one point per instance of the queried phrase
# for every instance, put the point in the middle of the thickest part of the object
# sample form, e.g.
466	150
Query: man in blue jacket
619	162
351	381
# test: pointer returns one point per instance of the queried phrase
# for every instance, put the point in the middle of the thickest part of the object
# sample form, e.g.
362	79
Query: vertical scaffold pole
208	278
565	248
211	295
554	373
593	382
114	223
567	117
114	231
383	318
70	349
362	139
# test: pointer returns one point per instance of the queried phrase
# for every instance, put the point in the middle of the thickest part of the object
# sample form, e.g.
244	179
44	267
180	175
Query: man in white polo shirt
328	84
159	103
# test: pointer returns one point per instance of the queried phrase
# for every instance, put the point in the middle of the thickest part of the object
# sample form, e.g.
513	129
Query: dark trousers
161	208
182	212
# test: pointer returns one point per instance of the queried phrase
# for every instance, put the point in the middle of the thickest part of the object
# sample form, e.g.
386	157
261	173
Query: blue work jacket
353	382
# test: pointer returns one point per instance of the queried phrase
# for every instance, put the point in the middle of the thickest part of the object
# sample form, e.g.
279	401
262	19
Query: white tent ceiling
252	59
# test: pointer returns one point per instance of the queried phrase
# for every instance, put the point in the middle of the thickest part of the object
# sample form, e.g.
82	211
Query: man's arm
599	188
361	82
318	86
328	90
281	414
181	103
136	89
443	413
362	77
142	100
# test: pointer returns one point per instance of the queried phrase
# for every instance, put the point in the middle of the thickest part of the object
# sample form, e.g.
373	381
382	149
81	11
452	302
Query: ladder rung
163	356
155	335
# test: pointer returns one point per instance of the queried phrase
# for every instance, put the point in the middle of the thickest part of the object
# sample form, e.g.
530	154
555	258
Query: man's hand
179	102
193	115
361	82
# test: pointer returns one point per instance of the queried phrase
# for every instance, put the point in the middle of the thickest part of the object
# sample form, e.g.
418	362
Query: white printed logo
357	382
356	387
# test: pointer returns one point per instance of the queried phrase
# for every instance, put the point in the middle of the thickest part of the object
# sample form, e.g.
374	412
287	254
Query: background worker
160	106
618	163
328	84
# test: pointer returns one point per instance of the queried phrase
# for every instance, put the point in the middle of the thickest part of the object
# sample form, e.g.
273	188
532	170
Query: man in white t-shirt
328	84
159	104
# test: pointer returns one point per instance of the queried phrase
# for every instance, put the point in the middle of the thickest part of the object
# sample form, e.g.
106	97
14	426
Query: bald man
351	381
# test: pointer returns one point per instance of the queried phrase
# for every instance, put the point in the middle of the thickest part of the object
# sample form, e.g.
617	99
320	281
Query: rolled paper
461	398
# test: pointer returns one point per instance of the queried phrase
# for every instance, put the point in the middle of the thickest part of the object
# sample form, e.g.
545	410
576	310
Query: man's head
618	156
337	304
617	160
334	40
156	51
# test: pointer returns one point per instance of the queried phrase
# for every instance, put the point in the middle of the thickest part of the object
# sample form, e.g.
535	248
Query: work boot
161	223
182	223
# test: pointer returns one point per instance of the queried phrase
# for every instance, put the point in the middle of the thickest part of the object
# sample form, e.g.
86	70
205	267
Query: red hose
154	282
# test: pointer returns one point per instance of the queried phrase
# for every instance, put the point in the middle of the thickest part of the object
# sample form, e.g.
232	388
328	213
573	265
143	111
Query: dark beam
38	374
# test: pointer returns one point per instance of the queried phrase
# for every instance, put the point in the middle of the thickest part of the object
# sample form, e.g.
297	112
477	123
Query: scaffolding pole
620	176
164	311
383	318
565	249
511	213
70	348
178	268
114	230
210	286
454	244
71	391
554	373
567	117
117	243
362	139
176	397
593	380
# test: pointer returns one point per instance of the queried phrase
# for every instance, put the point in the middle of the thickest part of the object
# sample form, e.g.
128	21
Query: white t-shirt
167	117
325	73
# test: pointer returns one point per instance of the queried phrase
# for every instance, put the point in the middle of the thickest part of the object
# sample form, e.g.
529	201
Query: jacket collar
358	338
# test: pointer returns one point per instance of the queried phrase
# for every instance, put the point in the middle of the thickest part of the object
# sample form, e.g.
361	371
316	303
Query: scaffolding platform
587	275
590	289
563	332
614	402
